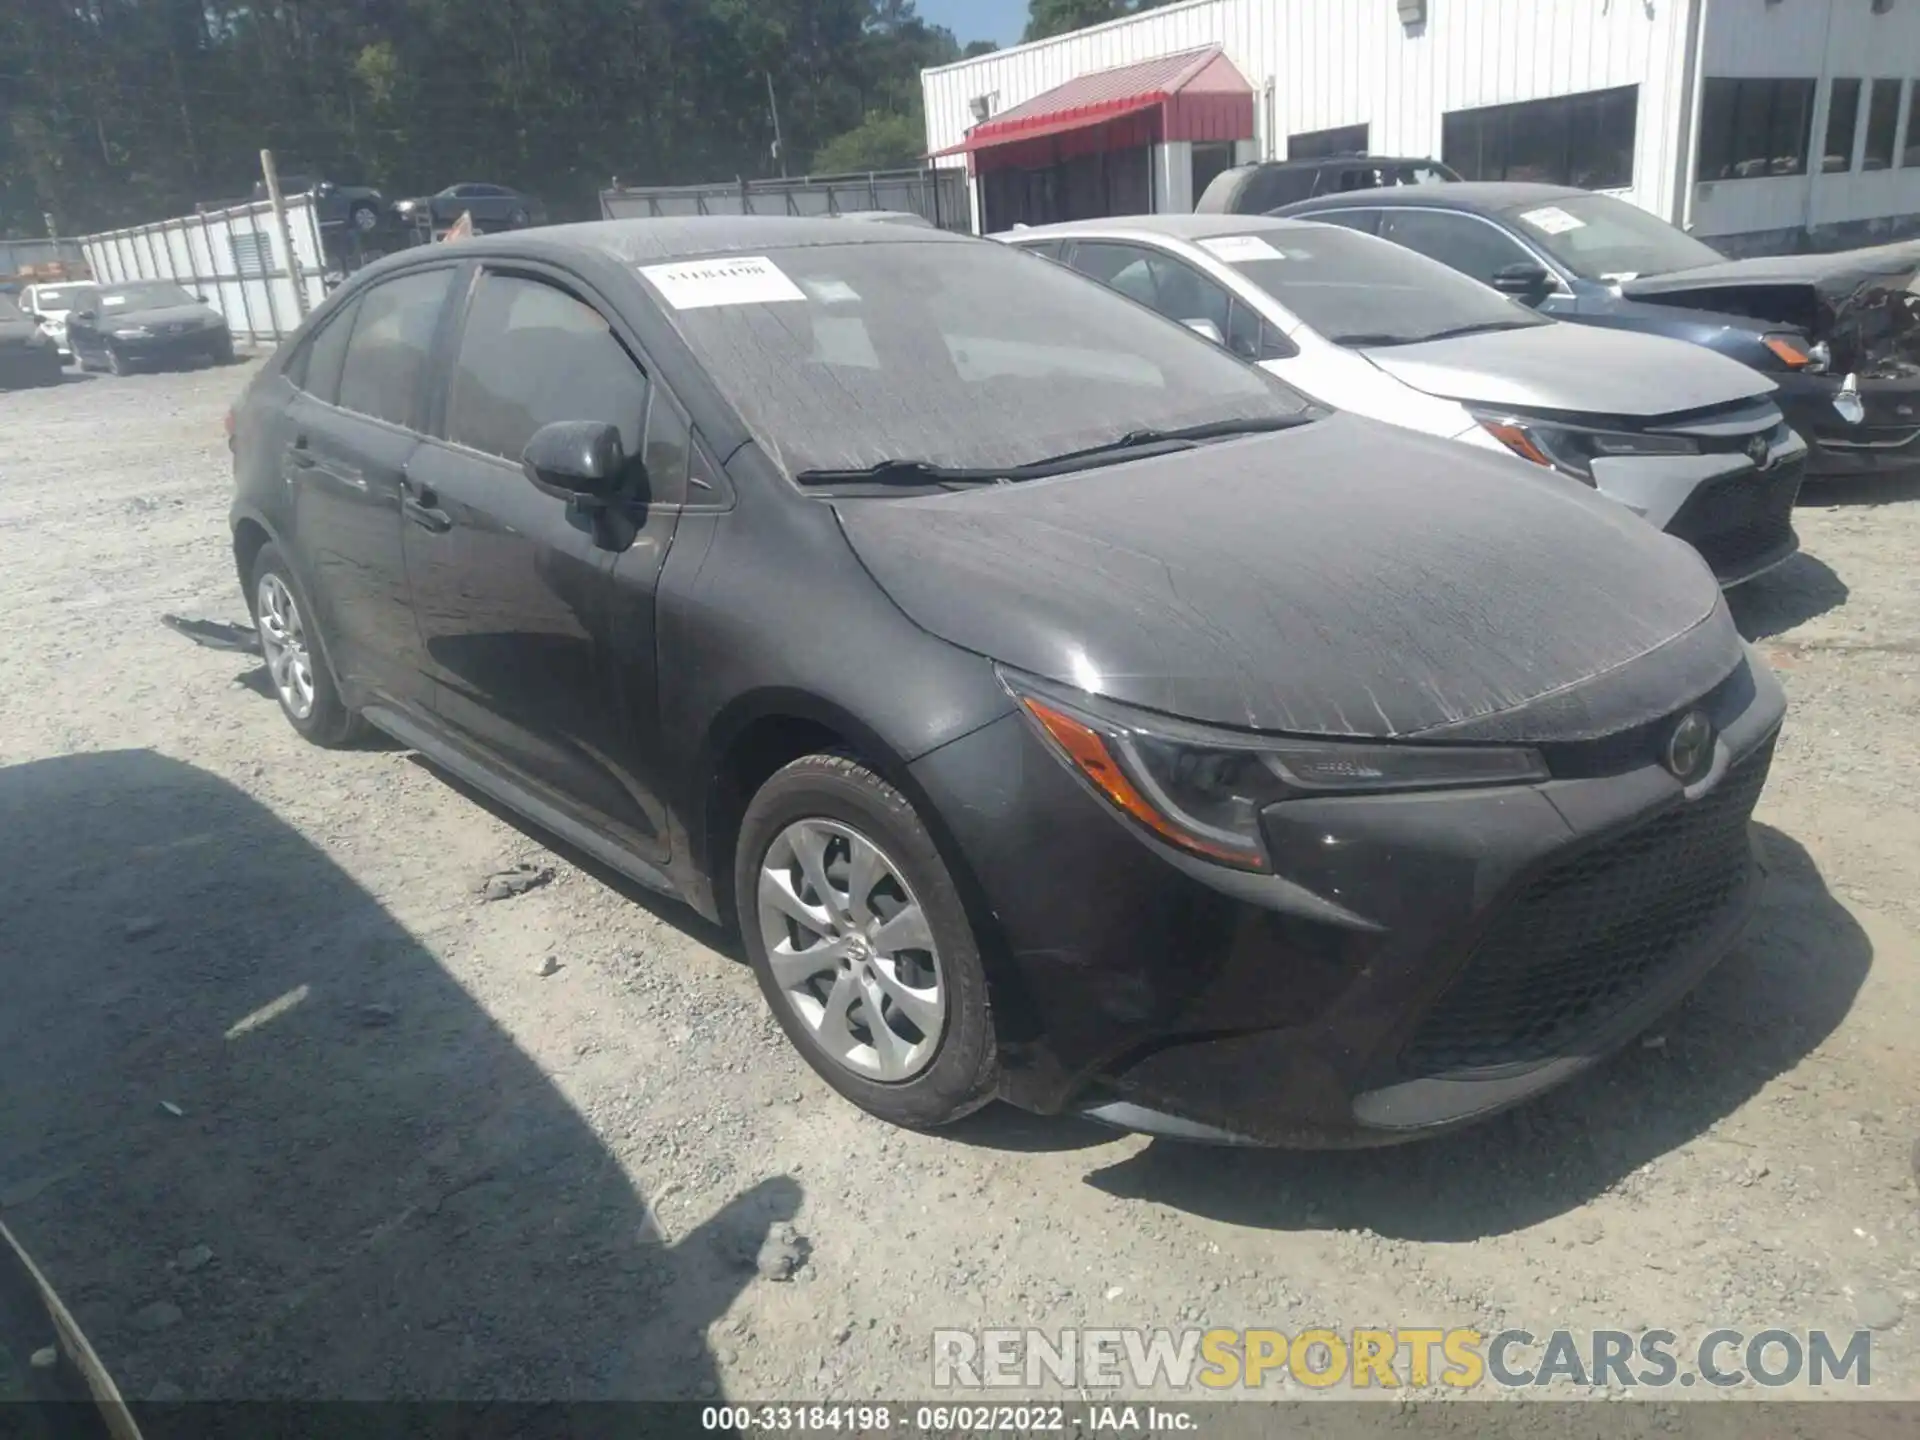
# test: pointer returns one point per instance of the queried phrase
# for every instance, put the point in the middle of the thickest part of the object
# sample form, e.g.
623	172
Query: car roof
1480	196
682	237
1173	227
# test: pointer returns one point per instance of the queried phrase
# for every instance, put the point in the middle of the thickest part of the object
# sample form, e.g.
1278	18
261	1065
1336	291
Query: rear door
353	429
535	663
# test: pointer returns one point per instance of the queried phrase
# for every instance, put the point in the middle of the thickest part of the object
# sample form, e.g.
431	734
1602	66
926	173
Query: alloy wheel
283	640
851	950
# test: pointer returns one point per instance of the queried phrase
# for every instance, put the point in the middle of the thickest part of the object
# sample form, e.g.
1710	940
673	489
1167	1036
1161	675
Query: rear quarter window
386	354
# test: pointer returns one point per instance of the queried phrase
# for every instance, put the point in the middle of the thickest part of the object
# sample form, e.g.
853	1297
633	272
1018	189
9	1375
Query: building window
1883	118
1317	144
1585	140
1754	127
1843	120
1912	154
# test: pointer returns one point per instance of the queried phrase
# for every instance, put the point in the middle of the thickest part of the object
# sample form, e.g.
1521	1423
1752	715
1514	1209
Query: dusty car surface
1691	441
1839	333
1063	710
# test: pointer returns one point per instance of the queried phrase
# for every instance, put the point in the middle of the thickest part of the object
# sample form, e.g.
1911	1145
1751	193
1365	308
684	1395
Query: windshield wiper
1480	328
903	472
1367	340
1179	438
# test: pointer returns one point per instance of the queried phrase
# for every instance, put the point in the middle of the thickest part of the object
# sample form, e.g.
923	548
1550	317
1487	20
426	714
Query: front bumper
1885	439
1418	960
170	348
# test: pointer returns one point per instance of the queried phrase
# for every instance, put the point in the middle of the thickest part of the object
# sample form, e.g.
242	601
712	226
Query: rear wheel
861	944
364	217
296	665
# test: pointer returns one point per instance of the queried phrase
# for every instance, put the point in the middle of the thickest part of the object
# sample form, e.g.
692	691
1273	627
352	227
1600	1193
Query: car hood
1344	579
1573	367
1864	303
158	315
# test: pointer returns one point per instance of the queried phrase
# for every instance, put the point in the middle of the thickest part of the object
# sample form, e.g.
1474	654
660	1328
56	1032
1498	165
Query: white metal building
1764	125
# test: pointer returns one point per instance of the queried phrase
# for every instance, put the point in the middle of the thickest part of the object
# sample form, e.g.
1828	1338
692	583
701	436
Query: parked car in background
1690	440
1260	188
360	208
1839	333
493	207
49	305
1065	710
145	323
27	355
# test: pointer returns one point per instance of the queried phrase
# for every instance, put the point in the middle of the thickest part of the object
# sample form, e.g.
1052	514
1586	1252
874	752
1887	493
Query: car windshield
1603	238
1357	290
156	296
55	302
965	356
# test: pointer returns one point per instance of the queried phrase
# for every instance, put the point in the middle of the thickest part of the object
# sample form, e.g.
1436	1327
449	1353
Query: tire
326	720
519	219
117	362
936	1079
222	352
364	218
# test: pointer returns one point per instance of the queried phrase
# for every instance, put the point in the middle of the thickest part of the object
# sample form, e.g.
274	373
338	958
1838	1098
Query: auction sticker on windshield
702	284
1236	249
1552	220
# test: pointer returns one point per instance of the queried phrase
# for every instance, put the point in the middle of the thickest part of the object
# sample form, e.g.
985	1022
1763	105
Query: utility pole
271	174
773	108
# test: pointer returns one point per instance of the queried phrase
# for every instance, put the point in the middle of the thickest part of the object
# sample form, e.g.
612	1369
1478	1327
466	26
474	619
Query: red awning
1198	93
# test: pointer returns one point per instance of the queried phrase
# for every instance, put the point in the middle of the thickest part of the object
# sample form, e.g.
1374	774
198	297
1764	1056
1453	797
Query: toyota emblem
1759	451
1690	746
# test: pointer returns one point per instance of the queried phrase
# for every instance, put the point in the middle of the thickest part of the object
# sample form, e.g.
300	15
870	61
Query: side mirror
1206	328
576	460
85	315
1524	281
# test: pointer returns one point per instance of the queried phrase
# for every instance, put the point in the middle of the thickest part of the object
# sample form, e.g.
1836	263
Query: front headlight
1203	789
1572	449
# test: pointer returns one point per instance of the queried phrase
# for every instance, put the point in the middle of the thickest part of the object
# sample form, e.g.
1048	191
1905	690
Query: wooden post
272	177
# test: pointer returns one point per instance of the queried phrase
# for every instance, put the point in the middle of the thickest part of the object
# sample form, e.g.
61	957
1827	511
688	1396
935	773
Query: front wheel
298	669
861	943
365	218
117	361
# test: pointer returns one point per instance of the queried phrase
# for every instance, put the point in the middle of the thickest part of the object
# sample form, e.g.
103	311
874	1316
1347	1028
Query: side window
531	355
1473	247
386	356
1251	336
316	369
1175	289
669	451
1049	248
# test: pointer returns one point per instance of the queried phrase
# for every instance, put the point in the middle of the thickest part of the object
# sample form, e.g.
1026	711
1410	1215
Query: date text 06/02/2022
868	1420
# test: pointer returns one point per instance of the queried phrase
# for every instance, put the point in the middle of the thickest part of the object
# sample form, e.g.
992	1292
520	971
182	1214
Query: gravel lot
288	1107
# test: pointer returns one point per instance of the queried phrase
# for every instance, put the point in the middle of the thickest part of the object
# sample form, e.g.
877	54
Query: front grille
1738	522
1594	933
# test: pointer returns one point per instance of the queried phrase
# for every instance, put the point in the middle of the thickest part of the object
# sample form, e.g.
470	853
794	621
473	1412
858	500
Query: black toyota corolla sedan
1064	710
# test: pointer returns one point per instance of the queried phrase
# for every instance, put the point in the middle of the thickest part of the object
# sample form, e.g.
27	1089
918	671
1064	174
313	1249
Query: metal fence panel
937	195
235	257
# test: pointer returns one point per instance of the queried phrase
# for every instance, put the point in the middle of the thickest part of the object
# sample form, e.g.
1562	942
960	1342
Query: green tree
1057	17
880	142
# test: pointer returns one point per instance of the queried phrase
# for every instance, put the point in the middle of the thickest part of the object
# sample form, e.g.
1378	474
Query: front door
535	663
350	435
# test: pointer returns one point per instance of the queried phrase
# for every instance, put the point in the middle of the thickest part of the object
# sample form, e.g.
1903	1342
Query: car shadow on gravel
1783	990
266	1146
1802	589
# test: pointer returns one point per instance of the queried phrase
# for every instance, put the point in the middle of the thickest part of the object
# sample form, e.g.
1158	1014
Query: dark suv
1262	188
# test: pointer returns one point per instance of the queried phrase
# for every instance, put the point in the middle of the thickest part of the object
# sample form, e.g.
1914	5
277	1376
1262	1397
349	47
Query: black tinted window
1883	118
1470	245
386	357
1347	140
532	355
316	369
1843	122
1585	140
1754	127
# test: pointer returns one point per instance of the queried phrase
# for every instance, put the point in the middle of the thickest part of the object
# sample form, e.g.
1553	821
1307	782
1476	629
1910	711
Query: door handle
300	454
420	505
